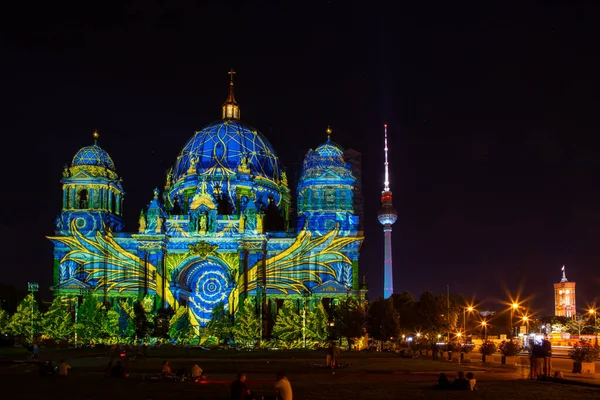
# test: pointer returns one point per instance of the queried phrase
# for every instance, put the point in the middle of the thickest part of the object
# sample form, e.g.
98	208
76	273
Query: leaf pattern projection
303	263
103	260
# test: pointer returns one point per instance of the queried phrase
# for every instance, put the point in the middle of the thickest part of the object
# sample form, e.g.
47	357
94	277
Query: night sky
492	114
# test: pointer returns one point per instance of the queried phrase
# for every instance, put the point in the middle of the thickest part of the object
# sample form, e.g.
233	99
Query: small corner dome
93	155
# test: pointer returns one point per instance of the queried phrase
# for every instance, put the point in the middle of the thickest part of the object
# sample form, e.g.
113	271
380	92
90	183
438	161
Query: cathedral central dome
221	146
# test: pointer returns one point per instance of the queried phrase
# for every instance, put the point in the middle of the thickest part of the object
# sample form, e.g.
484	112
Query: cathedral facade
220	230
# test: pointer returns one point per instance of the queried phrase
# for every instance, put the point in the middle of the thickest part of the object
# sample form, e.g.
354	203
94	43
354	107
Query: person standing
534	362
283	387
547	350
434	351
36	352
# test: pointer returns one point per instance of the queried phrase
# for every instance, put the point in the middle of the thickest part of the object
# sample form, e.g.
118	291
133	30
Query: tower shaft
388	281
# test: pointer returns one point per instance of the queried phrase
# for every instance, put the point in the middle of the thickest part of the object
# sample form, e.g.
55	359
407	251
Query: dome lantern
231	110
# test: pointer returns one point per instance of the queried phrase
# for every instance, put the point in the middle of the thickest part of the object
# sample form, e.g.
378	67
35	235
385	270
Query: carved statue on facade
259	223
203	223
242	223
192	169
159	224
142	220
243	167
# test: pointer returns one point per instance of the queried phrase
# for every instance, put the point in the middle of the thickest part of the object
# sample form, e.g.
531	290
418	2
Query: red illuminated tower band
387	216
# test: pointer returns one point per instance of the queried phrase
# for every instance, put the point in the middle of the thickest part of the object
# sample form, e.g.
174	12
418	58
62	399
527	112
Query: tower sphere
387	215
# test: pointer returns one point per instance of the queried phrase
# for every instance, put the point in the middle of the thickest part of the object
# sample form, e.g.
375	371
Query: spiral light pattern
210	284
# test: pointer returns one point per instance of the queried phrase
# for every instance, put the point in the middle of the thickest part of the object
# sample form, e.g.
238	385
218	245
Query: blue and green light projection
220	231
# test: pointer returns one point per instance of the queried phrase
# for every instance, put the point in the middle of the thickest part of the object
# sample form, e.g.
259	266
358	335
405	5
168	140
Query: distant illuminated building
564	297
387	216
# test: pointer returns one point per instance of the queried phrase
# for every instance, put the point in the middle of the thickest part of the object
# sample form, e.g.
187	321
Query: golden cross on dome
328	132
231	74
96	136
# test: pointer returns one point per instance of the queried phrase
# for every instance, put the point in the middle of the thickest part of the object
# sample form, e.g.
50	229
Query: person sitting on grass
472	381
166	370
108	370
442	382
63	368
196	372
118	371
460	383
283	387
239	389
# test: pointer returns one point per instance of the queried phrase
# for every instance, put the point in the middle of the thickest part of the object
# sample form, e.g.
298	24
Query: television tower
387	216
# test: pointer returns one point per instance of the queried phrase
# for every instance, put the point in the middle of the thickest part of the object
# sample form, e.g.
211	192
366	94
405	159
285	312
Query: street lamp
484	326
32	287
592	312
526	323
470	310
513	307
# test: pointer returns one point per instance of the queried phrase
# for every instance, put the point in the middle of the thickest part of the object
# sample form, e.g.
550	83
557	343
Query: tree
126	316
317	324
91	320
23	319
180	327
350	321
3	321
57	322
161	323
288	325
432	312
112	325
382	320
143	325
220	324
246	329
405	306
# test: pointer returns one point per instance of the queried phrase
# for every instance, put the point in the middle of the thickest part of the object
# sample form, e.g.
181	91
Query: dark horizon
490	112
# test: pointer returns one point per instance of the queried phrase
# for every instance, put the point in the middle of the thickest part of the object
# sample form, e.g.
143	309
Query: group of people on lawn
459	383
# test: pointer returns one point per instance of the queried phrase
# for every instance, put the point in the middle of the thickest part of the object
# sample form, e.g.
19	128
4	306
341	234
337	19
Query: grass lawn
368	376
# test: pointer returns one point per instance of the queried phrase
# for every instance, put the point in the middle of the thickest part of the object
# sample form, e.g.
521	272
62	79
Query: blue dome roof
93	155
219	148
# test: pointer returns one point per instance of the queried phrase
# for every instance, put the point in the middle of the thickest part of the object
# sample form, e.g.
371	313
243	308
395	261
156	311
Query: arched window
82	198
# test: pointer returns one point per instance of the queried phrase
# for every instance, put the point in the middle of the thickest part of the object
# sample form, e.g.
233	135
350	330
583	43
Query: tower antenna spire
386	183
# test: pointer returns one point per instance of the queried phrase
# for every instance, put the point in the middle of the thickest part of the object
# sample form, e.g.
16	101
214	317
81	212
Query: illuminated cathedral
220	230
